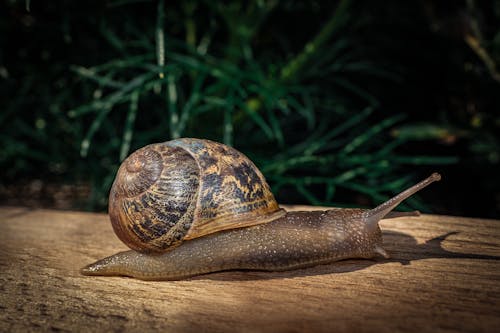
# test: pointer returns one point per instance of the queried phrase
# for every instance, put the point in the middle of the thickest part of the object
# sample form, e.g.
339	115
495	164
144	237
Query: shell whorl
186	188
141	170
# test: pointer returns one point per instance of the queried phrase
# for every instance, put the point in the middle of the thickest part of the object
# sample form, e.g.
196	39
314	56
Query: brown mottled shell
186	188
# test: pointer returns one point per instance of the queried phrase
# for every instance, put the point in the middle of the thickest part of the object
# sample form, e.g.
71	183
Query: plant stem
189	23
476	42
160	36
338	17
485	57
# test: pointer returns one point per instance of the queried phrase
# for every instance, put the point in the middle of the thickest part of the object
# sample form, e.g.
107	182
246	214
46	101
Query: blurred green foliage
313	92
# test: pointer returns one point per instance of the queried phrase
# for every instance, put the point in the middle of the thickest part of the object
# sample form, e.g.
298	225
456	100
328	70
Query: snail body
218	213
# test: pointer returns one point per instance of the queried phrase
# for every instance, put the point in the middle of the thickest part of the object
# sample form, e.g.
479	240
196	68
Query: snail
189	206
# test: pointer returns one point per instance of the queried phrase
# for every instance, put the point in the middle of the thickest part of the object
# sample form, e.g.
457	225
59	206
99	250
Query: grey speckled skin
299	239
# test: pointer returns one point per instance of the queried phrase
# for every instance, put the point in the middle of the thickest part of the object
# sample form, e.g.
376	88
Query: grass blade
129	125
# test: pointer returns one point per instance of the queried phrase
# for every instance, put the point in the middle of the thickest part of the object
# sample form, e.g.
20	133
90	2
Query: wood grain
444	276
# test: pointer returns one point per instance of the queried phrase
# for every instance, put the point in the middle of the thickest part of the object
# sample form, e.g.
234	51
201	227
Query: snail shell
182	189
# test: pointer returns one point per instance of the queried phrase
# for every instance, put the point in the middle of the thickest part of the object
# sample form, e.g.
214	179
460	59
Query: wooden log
444	275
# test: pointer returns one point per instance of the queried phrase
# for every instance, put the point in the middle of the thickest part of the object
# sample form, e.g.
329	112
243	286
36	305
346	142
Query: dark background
339	103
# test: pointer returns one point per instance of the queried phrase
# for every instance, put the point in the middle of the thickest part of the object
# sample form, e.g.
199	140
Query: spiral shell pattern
186	188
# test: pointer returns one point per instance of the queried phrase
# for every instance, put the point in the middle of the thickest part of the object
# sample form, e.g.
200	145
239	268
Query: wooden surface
444	276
